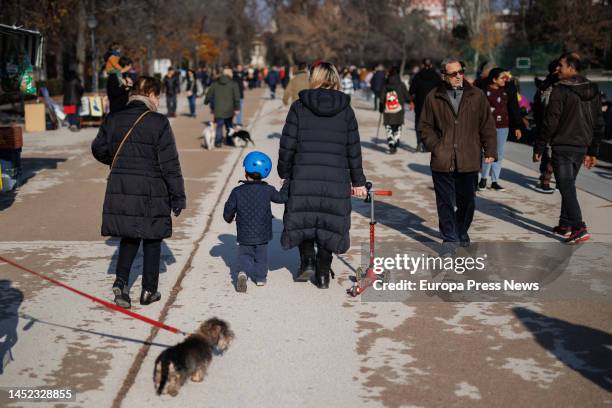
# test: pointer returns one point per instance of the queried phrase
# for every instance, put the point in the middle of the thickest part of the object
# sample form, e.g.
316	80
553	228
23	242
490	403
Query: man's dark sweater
250	204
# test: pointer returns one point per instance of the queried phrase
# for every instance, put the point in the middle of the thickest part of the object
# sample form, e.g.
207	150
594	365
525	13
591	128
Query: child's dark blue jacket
250	203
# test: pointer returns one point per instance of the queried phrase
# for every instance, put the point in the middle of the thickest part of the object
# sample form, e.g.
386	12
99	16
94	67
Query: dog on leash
208	135
191	358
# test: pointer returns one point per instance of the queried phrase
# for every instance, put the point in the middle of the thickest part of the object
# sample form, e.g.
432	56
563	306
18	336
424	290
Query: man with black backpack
573	126
392	99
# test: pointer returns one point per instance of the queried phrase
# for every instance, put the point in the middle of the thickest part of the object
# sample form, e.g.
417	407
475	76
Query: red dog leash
95	299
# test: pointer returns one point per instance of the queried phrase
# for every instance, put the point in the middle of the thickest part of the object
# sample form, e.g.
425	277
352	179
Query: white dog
208	136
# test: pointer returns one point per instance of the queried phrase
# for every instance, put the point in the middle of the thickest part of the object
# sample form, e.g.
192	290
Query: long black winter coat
146	182
320	154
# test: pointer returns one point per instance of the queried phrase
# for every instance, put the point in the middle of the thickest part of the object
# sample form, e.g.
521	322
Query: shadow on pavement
400	220
583	349
278	258
499	210
30	167
10	301
32	320
166	258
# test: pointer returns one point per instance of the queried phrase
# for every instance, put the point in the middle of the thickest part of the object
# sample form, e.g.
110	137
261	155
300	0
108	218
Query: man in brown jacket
456	125
298	83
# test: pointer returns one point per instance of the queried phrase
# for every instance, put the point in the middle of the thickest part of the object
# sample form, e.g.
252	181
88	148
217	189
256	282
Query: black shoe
392	148
464	241
307	269
122	295
578	235
562	230
218	145
482	184
495	186
544	188
146	297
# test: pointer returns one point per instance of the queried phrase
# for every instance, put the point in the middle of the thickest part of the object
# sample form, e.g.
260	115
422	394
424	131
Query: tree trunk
239	55
81	46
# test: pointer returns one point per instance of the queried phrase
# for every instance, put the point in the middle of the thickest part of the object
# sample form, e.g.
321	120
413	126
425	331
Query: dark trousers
171	104
546	170
272	91
376	100
455	189
220	123
417	128
192	105
253	260
323	257
150	271
566	165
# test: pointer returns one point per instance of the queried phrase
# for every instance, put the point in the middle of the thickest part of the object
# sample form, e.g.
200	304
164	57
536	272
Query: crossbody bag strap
125	138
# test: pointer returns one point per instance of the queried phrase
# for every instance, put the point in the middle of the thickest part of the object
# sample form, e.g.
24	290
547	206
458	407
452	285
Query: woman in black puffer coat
320	154
144	185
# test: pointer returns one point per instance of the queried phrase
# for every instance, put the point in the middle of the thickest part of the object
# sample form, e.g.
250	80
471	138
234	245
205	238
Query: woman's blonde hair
324	75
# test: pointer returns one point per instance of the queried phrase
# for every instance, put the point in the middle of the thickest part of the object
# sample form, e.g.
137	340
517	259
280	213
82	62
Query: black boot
122	294
307	269
146	297
322	275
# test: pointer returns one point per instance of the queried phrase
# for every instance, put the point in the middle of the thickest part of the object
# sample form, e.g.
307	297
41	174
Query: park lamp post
92	23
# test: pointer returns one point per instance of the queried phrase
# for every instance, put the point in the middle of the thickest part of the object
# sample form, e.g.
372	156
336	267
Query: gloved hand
176	211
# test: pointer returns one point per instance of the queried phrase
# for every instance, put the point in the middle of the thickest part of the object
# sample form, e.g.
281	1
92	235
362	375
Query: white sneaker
260	283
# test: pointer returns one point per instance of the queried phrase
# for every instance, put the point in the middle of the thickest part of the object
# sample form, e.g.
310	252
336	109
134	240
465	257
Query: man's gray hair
448	60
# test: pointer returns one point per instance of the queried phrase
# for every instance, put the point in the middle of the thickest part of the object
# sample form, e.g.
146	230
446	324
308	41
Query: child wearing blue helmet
249	203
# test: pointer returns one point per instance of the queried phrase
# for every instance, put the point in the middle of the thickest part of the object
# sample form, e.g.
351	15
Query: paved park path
296	345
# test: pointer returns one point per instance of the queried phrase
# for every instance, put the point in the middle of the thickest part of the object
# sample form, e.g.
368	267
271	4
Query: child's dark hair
254	175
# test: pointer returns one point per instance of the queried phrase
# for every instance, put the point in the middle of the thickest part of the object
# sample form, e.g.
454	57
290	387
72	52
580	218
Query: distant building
441	13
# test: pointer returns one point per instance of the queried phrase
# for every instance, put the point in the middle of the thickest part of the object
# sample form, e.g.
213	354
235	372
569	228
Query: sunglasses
455	74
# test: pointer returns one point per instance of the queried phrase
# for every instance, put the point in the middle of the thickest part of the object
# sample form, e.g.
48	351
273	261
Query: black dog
243	135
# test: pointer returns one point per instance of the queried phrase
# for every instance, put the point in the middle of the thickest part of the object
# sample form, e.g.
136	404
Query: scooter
362	282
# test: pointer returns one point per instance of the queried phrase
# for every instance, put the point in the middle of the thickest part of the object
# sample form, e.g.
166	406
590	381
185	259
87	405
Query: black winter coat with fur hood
320	153
146	182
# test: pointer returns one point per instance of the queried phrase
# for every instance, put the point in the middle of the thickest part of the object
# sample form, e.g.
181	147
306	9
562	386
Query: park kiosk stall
20	56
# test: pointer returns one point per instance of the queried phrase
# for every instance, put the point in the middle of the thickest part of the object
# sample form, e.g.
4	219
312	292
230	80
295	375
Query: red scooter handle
383	192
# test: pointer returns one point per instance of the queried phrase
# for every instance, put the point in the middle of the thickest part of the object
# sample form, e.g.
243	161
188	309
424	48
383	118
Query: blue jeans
171	104
219	123
502	136
192	105
253	260
239	117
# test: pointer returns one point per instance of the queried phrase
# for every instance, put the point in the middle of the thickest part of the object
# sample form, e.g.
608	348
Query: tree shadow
30	166
10	301
499	210
166	258
583	349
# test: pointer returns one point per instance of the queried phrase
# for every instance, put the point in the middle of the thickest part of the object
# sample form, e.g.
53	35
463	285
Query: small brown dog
191	358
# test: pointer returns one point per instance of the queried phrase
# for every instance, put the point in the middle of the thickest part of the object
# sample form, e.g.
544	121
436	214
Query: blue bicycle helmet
258	162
